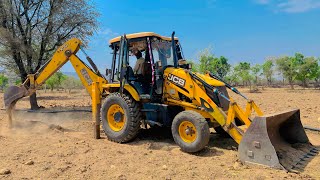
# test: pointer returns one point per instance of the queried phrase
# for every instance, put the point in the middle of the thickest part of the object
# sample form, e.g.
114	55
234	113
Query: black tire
132	116
219	130
202	131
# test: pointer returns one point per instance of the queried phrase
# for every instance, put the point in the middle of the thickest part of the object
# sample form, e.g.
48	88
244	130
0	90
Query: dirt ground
60	145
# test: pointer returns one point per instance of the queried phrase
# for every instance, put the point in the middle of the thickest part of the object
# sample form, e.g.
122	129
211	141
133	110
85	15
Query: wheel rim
187	131
116	117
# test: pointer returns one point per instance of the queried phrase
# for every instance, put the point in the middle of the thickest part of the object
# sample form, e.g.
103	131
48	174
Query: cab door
123	62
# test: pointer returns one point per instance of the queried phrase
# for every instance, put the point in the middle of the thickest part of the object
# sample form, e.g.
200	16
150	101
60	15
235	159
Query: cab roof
141	34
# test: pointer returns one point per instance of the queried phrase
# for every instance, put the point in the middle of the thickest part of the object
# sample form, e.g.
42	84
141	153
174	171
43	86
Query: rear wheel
120	116
190	131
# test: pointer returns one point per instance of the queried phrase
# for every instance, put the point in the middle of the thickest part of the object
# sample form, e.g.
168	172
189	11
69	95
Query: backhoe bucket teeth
277	141
13	94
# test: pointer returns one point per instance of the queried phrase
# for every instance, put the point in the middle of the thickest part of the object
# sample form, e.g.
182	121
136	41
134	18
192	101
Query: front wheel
190	131
121	117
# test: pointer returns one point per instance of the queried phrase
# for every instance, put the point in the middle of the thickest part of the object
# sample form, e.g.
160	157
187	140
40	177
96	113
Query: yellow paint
203	113
96	98
187	131
195	92
86	75
241	115
96	105
192	90
251	105
257	109
231	115
58	59
235	111
127	87
141	34
210	80
65	53
234	133
114	124
181	103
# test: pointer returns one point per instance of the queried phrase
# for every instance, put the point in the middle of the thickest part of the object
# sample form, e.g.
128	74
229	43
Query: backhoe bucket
12	95
277	141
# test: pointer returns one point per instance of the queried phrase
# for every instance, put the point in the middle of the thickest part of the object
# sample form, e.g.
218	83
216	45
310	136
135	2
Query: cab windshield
162	51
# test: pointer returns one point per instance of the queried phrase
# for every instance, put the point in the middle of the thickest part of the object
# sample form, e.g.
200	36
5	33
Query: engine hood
211	81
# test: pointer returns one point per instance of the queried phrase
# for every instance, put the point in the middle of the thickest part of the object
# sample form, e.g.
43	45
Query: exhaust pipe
278	141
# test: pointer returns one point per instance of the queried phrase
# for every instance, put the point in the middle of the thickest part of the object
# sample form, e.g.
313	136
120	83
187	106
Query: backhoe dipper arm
64	53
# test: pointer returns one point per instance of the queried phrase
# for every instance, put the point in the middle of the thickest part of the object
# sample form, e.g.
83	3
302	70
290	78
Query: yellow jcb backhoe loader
169	94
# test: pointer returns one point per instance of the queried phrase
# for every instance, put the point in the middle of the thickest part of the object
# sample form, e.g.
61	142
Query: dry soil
47	145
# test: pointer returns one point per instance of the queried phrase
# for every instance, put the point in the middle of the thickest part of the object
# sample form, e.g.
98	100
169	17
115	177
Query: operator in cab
139	73
139	63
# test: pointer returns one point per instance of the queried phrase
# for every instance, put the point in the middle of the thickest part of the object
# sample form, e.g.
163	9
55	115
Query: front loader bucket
12	95
277	141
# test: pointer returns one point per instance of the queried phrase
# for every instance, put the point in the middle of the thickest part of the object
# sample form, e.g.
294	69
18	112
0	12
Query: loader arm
64	53
276	140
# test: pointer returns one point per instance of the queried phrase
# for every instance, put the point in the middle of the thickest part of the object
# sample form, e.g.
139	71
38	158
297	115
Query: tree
307	69
60	78
55	80
221	66
256	72
267	69
288	68
232	77
3	81
208	62
18	82
243	71
30	30
51	82
195	66
71	83
317	76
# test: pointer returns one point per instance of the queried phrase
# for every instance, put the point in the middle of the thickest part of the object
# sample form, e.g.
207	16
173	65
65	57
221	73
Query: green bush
4	81
55	80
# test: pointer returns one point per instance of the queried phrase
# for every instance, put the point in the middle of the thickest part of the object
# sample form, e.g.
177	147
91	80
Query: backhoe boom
64	53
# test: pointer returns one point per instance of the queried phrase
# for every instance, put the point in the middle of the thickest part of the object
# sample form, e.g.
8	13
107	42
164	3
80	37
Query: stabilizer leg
96	106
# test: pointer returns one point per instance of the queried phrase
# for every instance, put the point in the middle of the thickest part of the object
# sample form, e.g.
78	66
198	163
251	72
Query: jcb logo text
176	80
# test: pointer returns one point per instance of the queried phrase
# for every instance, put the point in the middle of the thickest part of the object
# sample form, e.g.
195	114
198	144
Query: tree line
56	81
59	80
285	70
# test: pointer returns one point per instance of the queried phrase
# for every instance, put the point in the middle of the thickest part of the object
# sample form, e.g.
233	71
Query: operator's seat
134	81
131	76
147	68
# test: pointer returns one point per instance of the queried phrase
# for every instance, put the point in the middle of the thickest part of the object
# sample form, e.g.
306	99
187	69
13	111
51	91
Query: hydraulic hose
235	90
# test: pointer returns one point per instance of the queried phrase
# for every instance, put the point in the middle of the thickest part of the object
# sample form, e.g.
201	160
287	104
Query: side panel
157	113
179	81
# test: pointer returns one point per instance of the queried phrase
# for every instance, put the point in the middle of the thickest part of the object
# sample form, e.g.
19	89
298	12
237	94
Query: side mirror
190	66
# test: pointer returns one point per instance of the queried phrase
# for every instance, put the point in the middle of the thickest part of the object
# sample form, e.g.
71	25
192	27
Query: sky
241	30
